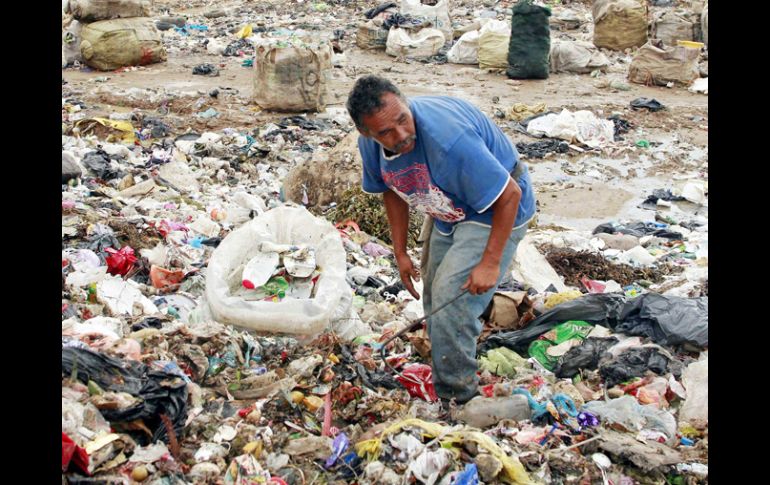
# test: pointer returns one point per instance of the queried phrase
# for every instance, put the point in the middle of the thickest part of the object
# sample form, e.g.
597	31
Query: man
445	158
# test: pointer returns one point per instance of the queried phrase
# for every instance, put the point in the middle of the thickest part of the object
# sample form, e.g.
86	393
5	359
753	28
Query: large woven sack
92	10
619	24
465	50
656	64
111	44
576	56
671	26
530	42
437	15
292	76
420	44
494	38
371	36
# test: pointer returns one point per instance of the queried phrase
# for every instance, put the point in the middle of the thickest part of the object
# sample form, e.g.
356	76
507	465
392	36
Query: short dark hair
366	96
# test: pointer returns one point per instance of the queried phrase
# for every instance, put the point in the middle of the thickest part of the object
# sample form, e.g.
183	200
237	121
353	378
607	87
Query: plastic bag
466	49
502	361
636	362
667	320
158	392
418	380
282	225
71	42
437	15
581	126
423	43
695	378
541	348
585	356
628	413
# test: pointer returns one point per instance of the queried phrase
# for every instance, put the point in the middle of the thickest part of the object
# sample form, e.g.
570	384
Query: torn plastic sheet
159	392
667	320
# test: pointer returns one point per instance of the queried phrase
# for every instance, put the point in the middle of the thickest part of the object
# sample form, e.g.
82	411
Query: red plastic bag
120	261
72	453
593	286
418	380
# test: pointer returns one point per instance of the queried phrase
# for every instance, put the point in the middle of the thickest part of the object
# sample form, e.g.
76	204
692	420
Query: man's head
380	111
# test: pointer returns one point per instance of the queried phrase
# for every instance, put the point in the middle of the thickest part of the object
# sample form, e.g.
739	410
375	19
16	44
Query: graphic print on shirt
414	186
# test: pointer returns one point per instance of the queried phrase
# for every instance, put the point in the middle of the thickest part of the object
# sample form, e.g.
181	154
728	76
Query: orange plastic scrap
163	278
348	224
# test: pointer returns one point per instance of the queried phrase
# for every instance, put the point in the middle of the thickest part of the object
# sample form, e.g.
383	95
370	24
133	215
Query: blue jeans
454	330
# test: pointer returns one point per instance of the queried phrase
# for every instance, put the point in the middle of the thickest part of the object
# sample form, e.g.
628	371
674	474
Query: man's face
392	125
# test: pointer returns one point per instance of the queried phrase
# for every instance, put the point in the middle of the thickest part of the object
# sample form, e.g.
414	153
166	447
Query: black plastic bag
530	44
540	149
160	392
648	103
667	320
637	229
585	356
636	362
99	163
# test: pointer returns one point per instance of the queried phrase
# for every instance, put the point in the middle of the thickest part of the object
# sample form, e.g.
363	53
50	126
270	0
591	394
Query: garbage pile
221	325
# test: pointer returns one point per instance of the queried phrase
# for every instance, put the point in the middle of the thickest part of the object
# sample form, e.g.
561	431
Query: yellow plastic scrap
100	442
519	111
559	298
369	449
244	32
123	126
513	470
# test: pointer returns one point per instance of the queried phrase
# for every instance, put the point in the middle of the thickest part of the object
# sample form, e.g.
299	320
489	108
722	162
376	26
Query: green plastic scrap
573	329
643	144
502	361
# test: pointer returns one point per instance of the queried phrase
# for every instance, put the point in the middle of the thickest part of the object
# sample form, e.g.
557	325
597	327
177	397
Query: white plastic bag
71	42
423	43
282	225
582	126
437	14
695	379
466	49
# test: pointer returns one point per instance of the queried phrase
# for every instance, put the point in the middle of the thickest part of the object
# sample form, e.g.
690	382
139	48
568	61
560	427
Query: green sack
530	42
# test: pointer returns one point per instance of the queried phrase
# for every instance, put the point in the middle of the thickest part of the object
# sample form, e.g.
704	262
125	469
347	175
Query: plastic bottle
482	412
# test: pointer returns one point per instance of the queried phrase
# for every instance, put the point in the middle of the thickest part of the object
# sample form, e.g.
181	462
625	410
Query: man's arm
398	216
484	276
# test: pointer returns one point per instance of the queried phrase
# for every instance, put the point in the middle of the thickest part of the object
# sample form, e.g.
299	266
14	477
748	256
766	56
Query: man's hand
482	278
408	272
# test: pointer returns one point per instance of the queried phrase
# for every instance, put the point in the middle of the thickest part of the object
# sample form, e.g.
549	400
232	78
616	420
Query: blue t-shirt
460	164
